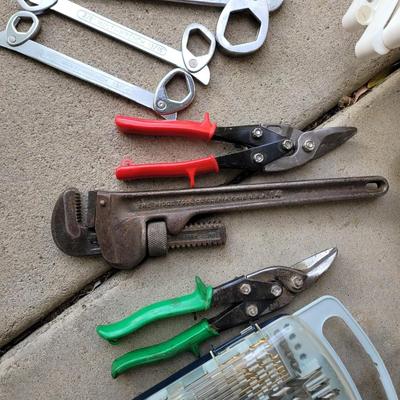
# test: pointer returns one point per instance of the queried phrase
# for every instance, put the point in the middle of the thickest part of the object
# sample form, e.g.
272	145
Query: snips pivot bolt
252	310
258	158
309	146
287	144
257	133
245	289
297	282
276	290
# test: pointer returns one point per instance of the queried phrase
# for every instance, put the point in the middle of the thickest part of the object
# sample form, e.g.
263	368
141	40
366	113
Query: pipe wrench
184	59
21	42
126	228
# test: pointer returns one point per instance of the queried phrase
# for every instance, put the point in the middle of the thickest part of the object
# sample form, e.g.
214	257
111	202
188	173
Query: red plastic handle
192	129
129	171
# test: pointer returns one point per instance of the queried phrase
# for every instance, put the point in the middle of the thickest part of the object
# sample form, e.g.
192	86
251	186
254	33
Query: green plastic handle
199	300
188	340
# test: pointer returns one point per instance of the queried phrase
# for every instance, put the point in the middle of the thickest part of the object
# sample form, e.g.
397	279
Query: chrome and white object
381	18
184	59
287	359
260	9
21	42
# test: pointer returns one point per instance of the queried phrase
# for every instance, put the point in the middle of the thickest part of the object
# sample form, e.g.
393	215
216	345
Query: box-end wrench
184	59
260	9
159	101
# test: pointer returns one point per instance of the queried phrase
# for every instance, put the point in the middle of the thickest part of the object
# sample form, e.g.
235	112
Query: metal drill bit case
286	359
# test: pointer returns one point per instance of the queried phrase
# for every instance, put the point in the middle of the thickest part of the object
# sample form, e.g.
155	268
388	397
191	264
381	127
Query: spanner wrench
184	59
260	9
159	101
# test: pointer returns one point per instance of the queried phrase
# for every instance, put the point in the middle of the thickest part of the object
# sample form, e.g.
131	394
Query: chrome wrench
184	59
260	10
159	101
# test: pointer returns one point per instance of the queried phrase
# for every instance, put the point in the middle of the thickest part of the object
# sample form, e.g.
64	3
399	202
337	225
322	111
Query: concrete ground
58	132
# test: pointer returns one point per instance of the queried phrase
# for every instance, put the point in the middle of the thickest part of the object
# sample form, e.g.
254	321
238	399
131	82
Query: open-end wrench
159	101
125	228
260	9
184	59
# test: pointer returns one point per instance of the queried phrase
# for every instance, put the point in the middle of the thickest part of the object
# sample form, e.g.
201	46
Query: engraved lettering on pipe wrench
184	59
21	42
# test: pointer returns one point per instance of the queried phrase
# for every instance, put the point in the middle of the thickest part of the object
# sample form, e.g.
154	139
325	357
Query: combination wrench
159	101
184	59
260	9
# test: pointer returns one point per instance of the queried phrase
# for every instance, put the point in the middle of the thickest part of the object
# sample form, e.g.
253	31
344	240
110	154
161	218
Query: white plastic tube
382	21
359	13
391	34
371	41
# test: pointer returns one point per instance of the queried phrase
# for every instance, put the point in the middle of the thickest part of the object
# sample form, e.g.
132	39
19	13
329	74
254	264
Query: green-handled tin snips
248	297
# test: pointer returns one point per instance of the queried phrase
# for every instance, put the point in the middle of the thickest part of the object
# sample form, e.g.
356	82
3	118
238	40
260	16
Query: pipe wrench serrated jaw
71	234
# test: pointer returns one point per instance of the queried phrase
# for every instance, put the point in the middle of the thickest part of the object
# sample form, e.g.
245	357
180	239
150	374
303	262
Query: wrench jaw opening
259	10
166	106
193	63
40	5
72	232
15	37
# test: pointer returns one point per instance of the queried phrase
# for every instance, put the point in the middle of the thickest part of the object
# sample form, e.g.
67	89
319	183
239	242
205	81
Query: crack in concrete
86	290
339	107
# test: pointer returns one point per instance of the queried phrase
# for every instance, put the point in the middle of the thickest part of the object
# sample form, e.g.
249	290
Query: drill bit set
288	358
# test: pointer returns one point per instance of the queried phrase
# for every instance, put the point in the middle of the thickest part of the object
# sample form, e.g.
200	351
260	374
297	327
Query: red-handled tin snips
267	147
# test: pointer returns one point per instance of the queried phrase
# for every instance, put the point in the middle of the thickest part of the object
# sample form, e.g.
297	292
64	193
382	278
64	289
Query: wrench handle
192	129
130	171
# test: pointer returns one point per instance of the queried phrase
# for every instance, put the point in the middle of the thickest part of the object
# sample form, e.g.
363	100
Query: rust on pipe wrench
117	222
